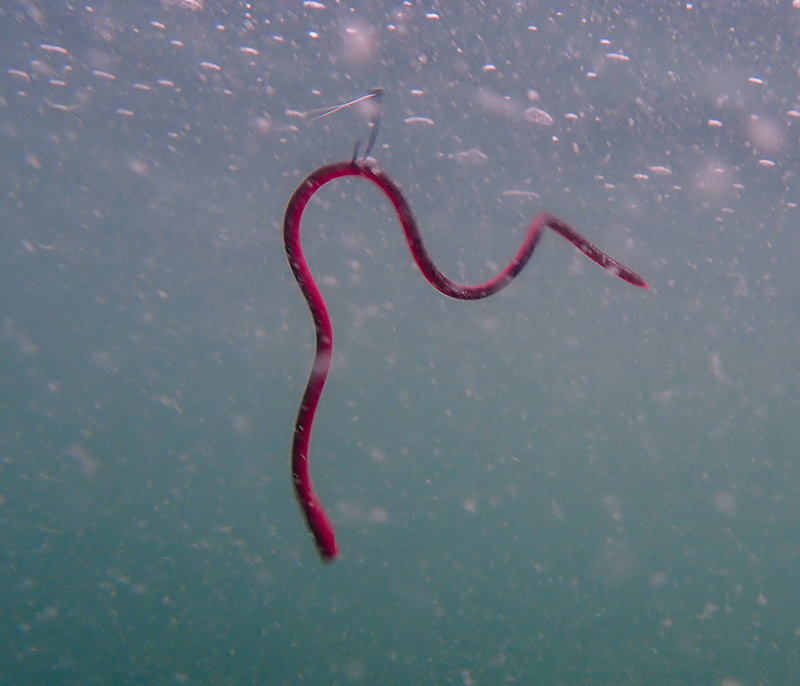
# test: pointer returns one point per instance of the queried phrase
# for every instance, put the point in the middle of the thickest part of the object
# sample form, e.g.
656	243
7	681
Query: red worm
318	522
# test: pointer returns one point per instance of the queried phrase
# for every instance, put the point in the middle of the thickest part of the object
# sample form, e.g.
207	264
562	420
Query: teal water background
572	482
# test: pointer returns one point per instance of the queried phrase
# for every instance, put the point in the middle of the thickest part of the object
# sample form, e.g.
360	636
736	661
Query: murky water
572	482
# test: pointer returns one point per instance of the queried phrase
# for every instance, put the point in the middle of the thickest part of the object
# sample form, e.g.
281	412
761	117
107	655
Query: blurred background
572	482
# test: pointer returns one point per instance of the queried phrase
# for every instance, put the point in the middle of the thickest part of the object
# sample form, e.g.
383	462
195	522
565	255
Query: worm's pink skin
318	522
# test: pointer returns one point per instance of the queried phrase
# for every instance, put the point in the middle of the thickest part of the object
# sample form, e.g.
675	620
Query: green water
572	482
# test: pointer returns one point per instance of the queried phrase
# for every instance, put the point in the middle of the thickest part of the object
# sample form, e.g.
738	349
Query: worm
316	518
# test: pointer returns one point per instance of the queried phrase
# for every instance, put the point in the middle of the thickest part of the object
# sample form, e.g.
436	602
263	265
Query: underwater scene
572	481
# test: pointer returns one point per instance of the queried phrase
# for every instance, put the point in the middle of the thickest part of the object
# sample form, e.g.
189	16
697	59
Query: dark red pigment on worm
318	522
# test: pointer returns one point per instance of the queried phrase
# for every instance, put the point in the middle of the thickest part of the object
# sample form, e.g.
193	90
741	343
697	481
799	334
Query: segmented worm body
318	521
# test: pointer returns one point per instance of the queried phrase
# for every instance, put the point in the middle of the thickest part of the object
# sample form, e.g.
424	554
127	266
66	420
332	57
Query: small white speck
538	116
517	193
419	120
20	74
49	47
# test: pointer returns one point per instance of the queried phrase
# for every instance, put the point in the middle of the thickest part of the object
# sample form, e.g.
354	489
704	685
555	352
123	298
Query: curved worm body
318	522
